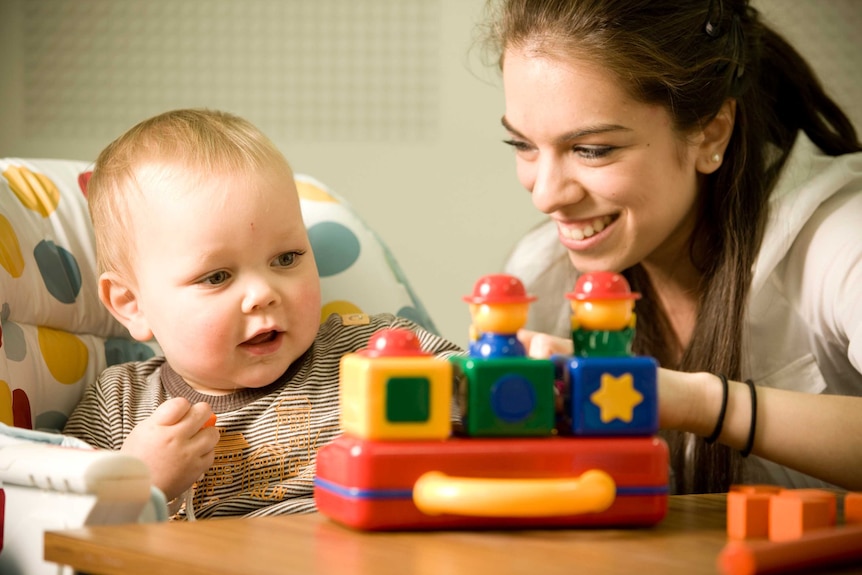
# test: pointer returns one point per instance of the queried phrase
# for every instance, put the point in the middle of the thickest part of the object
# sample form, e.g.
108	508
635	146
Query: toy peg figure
603	318
499	306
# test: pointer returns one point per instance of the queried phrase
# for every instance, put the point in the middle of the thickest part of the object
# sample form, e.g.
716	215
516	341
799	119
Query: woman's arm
820	435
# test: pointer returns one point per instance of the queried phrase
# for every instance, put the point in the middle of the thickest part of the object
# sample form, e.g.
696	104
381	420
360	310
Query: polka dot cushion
57	337
357	271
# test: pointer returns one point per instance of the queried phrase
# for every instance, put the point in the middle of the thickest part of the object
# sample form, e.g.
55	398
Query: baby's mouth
586	229
264	337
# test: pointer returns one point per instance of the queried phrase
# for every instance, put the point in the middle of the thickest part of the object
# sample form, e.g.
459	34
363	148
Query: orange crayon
817	548
210	422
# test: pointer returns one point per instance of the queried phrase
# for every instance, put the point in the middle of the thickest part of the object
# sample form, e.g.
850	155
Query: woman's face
612	173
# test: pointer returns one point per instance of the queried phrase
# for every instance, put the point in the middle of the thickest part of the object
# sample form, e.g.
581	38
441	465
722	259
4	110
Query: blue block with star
611	396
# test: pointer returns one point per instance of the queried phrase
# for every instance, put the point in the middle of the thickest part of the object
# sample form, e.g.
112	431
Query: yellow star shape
617	397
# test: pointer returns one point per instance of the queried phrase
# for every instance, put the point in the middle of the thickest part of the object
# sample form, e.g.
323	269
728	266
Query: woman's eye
287	259
216	278
593	152
518	145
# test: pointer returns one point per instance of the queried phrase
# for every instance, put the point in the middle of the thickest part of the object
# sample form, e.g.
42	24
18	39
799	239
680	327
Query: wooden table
686	542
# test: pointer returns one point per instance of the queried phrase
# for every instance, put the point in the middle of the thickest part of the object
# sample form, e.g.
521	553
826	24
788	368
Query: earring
716	158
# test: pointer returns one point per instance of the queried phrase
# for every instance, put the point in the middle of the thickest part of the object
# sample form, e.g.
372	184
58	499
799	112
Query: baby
201	245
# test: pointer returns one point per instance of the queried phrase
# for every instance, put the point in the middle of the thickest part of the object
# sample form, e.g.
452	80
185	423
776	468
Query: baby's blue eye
216	278
287	259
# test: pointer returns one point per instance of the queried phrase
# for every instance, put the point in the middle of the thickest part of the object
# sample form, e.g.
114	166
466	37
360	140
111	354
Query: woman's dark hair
691	56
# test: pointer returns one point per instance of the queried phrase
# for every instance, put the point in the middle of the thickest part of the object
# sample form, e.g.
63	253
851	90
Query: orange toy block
794	512
828	496
747	514
757	488
853	507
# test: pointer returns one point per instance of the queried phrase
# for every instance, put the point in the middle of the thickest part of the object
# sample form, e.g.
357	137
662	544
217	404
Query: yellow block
363	393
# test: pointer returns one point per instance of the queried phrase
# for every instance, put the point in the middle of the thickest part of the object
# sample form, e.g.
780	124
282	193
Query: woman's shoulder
542	263
817	197
535	252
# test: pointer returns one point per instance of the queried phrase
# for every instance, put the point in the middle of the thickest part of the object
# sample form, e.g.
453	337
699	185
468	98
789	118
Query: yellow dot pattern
309	191
34	190
340	307
11	258
65	354
6	415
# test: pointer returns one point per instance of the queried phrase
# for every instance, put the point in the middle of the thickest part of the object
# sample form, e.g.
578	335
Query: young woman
687	145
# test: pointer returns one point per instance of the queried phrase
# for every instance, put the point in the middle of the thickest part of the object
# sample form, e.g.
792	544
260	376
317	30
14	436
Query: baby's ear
121	300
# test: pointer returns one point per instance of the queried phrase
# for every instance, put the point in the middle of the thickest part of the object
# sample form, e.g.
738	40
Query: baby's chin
254	377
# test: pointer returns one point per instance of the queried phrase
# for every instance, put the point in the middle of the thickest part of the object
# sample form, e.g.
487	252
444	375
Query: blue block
612	396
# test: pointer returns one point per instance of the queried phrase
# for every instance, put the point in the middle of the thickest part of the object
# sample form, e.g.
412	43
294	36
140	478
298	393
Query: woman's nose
553	188
259	294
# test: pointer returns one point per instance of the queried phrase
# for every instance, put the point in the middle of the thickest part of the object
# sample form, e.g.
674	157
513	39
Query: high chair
57	337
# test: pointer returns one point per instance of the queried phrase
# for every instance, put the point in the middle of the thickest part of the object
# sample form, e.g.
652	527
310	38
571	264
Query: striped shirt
265	460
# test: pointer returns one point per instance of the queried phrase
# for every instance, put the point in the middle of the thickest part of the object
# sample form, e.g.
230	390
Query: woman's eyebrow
574	134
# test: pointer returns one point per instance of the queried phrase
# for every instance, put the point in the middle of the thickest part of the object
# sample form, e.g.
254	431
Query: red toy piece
380	485
499	306
394	343
602	286
603	318
498	288
816	549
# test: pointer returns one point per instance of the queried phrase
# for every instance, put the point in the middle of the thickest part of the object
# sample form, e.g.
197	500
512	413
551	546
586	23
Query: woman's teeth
585	231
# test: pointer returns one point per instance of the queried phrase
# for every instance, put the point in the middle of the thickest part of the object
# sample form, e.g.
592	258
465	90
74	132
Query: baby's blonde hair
194	143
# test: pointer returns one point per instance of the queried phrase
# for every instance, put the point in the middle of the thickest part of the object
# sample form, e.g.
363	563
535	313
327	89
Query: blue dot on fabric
13	337
119	350
335	246
50	421
413	315
59	271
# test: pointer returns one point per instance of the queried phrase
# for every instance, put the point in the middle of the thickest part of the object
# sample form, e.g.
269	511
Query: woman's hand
542	345
175	443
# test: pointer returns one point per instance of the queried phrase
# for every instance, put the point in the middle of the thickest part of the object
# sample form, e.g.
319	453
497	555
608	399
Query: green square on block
408	399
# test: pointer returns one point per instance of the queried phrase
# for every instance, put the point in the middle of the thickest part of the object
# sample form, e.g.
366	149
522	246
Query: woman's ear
119	297
716	136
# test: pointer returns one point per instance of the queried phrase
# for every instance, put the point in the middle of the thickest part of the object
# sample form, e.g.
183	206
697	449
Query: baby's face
226	277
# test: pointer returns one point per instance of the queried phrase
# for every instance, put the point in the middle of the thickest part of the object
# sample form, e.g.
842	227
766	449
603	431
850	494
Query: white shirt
804	324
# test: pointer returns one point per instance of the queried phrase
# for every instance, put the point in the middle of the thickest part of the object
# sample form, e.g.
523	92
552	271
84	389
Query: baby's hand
176	444
542	345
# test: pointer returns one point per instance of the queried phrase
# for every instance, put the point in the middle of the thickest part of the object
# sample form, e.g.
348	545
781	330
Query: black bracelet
749	444
720	423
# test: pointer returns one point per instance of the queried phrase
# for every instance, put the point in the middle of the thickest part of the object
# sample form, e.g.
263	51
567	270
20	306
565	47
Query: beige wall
383	100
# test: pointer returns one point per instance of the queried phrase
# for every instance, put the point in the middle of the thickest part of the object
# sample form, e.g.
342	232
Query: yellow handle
435	493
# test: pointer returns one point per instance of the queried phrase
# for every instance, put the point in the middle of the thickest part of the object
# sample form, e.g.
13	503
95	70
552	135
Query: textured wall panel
317	70
829	34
